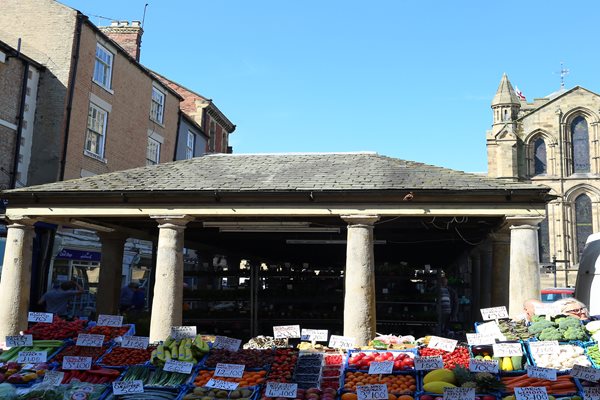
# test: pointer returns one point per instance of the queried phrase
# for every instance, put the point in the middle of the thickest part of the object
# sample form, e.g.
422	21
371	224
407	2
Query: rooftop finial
563	72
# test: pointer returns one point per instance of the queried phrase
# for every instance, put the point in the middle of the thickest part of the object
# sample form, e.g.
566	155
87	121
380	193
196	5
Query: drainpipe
13	177
177	134
63	158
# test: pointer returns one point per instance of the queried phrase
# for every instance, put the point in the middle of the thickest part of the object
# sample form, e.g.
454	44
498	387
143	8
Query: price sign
223	385
128	387
459	393
110	320
381	367
507	349
541	373
286	331
53	378
544	347
491	328
40	317
229	370
478	339
428	363
494	313
317	335
436	342
74	362
227	343
341	342
372	392
183	367
83	339
135	342
32	357
19	340
183	332
490	366
276	389
531	393
591	393
586	373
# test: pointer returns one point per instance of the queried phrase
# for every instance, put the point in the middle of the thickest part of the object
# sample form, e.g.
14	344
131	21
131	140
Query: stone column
500	268
475	285
359	297
16	277
524	262
485	285
111	270
168	287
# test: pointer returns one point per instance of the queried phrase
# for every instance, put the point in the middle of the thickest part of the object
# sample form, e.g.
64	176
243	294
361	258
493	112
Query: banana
160	352
169	341
167	355
181	350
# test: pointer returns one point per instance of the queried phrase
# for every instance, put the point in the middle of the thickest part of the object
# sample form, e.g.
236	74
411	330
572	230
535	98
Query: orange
391	397
349	396
405	397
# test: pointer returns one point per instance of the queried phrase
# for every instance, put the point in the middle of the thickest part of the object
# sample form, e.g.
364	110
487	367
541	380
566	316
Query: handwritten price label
128	387
135	342
478	339
317	335
286	331
40	317
183	367
544	347
531	393
53	378
591	393
491	328
73	362
494	313
19	340
32	357
436	342
586	373
490	366
84	339
372	392
276	389
219	384
183	332
229	370
459	393
381	367
507	349
341	342
541	373
428	363
227	343
110	320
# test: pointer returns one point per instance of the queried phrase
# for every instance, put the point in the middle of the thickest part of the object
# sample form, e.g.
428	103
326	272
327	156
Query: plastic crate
561	371
351	353
417	376
575	392
586	347
110	350
526	358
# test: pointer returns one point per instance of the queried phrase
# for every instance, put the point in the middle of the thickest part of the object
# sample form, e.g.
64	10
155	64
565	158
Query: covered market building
350	214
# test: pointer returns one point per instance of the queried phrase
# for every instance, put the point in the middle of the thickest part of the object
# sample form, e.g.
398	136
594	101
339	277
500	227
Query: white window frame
93	130
157	105
153	152
105	79
190	145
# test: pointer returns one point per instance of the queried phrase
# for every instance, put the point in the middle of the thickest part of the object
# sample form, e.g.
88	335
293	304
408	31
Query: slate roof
281	173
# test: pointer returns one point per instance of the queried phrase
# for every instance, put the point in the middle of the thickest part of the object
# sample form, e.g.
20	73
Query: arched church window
581	145
539	157
583	221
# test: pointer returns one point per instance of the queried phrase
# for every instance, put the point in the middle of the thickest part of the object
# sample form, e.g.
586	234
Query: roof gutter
72	79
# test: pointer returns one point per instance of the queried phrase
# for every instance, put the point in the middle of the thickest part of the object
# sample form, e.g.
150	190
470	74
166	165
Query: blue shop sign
68	254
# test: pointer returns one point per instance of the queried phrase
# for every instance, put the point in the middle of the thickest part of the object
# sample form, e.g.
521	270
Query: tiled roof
282	173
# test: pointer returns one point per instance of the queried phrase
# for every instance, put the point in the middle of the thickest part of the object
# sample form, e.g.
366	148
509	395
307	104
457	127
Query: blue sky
408	79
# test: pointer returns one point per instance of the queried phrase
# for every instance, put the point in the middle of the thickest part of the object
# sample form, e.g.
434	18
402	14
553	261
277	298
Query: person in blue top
57	298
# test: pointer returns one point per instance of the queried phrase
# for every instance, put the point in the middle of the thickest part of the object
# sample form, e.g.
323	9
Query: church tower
502	138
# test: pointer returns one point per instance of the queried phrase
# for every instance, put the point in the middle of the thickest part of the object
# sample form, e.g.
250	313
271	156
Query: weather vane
563	72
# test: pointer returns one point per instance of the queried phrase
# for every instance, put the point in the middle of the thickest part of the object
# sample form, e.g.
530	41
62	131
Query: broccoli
550	334
568	322
537	318
539	326
574	333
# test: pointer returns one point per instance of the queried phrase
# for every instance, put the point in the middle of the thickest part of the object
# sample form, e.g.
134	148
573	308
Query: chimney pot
124	23
114	23
136	24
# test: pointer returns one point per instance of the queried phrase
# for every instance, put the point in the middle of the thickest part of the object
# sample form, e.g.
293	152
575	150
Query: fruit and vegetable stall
502	359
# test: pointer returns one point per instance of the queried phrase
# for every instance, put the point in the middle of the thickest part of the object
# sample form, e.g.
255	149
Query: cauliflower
550	334
593	326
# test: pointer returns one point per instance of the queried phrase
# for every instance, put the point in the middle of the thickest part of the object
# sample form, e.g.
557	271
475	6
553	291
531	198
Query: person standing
57	298
448	305
127	293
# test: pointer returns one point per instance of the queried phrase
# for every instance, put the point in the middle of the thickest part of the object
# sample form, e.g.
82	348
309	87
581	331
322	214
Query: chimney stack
128	36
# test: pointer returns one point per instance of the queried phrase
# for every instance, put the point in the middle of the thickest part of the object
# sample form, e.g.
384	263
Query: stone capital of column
20	222
172	221
523	222
360	220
